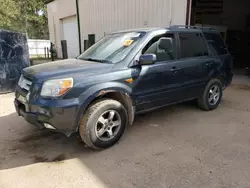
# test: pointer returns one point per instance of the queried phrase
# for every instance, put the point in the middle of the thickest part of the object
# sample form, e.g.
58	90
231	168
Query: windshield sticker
127	42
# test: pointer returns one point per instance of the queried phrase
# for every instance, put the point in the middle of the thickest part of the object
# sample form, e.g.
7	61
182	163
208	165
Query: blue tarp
14	57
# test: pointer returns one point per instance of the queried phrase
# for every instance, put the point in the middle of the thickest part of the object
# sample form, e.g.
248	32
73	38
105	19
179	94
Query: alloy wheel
108	125
214	95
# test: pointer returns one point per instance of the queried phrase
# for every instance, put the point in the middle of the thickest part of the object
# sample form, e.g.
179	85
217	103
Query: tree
9	14
25	16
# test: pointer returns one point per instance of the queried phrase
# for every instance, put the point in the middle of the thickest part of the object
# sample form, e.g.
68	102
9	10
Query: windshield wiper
97	60
106	61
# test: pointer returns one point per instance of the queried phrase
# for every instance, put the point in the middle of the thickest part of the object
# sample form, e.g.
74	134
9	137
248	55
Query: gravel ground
175	147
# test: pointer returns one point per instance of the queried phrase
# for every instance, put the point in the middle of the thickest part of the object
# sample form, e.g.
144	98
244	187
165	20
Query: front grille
24	83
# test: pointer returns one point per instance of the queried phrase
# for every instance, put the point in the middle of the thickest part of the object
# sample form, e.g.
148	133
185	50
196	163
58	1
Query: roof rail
193	27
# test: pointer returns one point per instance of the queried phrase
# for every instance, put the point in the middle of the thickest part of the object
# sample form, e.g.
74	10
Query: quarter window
216	42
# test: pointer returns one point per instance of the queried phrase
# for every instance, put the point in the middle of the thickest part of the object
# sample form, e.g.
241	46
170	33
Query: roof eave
48	1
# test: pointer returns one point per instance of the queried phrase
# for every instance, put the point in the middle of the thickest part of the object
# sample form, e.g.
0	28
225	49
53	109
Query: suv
125	73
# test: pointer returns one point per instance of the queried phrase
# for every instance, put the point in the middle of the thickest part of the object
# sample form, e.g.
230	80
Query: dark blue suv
123	74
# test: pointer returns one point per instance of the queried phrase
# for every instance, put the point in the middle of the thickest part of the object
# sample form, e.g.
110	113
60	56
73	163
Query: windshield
112	48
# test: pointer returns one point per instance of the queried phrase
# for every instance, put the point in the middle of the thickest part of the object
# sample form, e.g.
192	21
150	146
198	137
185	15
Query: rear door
193	61
219	50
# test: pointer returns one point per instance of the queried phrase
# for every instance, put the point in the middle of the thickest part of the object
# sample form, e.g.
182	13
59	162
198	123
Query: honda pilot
126	73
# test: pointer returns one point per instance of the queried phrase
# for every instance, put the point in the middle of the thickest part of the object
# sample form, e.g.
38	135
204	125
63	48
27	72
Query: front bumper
60	115
29	117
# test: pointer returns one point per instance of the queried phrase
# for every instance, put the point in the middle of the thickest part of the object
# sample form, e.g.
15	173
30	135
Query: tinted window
192	45
216	43
162	46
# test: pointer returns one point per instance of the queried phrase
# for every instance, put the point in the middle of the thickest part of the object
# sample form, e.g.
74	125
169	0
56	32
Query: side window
216	42
203	46
162	46
192	45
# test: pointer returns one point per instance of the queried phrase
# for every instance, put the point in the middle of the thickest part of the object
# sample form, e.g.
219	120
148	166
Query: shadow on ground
29	145
177	146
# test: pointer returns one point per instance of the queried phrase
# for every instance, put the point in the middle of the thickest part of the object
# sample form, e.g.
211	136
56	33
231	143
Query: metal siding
105	16
134	13
179	8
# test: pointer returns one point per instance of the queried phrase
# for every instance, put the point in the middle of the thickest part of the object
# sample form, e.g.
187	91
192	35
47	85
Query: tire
205	102
97	119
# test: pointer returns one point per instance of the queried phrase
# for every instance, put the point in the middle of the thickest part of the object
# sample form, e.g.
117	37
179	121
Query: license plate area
22	103
21	99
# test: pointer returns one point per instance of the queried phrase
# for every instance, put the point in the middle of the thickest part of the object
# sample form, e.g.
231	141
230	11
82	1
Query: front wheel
103	124
211	96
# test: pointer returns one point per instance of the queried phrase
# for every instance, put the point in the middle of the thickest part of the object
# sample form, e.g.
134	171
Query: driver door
158	84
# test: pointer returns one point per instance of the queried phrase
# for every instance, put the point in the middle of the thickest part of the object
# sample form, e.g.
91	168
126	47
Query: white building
99	17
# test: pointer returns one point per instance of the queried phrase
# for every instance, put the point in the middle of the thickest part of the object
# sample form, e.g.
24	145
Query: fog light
48	126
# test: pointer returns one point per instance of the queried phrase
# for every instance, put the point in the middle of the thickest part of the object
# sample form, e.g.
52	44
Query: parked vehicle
125	73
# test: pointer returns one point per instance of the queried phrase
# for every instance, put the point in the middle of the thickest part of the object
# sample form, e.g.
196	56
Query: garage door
70	34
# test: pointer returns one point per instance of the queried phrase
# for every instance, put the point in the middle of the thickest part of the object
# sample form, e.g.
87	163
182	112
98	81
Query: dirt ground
175	147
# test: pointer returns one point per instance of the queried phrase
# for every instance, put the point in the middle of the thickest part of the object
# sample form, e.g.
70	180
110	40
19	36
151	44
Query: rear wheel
211	96
103	124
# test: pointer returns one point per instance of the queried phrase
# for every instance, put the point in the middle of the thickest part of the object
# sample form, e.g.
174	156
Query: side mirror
147	59
166	44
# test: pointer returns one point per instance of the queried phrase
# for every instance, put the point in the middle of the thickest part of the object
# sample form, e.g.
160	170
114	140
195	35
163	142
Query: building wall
100	17
57	10
234	15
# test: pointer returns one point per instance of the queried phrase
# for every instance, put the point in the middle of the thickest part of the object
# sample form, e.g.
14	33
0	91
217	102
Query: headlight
56	88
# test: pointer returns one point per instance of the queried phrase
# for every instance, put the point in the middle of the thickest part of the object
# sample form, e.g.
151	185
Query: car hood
66	68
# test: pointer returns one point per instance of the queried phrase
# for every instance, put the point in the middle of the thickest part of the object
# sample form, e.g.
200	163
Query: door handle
174	69
209	64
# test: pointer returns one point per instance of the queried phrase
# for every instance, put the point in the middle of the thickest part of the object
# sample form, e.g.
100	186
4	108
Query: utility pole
79	26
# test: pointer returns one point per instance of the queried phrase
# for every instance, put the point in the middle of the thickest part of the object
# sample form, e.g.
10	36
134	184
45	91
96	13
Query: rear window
216	43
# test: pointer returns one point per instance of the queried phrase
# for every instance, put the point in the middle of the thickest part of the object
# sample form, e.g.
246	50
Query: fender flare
99	90
216	74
